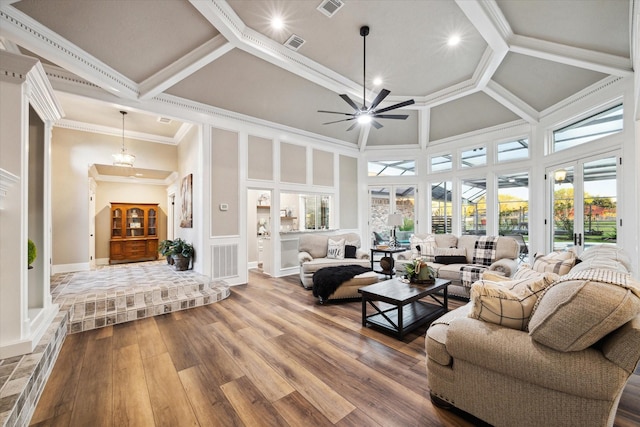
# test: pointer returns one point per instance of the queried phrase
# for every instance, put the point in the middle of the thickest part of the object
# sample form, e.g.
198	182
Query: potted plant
164	248
182	253
32	252
420	272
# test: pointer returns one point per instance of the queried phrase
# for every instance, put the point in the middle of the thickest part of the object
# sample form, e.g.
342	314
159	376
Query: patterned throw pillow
554	262
426	247
335	249
507	303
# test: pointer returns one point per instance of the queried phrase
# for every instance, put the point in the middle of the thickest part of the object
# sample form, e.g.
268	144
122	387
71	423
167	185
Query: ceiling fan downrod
364	32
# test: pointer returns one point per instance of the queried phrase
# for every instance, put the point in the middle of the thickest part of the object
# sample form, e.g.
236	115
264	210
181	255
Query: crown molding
106	130
44	42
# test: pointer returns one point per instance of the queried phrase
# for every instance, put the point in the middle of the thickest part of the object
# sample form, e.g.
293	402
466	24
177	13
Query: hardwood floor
266	356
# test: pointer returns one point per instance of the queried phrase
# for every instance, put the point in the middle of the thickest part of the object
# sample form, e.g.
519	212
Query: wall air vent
330	7
164	120
294	42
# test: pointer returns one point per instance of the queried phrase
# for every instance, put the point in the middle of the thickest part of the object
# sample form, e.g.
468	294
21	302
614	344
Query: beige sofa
312	254
506	257
567	366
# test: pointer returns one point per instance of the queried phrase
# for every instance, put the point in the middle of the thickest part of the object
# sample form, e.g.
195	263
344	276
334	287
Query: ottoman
349	289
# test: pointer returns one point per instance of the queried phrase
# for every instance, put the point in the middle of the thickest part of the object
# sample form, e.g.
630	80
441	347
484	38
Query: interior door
584	202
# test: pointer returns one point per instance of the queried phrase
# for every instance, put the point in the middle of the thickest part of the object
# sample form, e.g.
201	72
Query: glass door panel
152	223
405	206
379	210
474	206
441	207
563	203
116	223
600	202
584	201
135	222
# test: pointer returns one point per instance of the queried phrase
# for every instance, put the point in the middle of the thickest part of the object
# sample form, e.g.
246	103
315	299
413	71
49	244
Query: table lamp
394	220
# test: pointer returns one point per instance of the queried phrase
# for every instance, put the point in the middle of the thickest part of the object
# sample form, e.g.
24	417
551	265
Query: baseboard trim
69	268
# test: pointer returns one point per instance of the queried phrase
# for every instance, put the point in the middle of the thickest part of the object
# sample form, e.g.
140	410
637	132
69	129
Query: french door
583	208
391	199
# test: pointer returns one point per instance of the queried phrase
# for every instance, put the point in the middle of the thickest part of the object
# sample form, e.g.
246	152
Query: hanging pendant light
123	158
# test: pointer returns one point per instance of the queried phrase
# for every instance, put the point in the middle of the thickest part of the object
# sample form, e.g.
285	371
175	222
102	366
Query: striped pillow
526	272
555	262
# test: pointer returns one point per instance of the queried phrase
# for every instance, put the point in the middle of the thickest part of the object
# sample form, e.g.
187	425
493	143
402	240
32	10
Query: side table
387	252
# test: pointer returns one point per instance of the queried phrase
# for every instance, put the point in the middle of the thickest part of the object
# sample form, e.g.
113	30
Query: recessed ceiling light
377	81
277	23
453	40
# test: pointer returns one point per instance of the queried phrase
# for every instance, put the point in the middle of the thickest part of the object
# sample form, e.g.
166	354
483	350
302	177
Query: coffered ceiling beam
229	24
44	42
184	67
574	56
512	102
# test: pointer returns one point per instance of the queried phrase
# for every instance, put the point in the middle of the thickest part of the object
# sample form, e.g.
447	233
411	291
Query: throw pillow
609	252
450	251
355	243
450	259
492	276
423	247
335	249
507	303
555	262
526	272
582	308
349	251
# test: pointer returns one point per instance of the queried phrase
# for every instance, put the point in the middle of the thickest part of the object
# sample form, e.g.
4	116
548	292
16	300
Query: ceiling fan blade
381	96
336	112
391	116
338	121
375	124
352	126
350	102
393	107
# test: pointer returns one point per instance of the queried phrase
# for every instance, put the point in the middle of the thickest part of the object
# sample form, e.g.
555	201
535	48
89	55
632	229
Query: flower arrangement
418	271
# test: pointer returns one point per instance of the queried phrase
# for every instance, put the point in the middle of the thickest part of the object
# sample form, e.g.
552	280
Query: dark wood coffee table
407	312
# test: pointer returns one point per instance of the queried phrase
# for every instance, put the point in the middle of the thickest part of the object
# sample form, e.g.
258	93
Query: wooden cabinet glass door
135	222
116	223
152	221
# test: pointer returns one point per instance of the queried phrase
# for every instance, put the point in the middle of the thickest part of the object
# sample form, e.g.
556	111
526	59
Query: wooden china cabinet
134	232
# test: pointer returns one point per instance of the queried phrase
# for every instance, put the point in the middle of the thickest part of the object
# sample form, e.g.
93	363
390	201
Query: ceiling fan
368	114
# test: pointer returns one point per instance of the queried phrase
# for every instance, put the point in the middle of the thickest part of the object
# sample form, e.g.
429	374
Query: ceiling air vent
294	42
329	7
164	120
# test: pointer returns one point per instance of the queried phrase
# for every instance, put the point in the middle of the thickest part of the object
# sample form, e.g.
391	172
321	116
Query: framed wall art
186	197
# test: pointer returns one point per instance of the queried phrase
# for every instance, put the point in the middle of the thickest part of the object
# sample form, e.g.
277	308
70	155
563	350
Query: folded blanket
328	279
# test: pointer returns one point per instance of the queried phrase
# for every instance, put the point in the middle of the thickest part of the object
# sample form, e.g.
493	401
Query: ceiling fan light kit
365	115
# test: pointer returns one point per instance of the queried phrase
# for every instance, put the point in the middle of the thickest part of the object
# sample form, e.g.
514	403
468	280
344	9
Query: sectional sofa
448	254
540	348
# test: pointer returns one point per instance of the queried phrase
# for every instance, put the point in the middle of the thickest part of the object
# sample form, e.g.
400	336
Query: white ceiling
516	59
